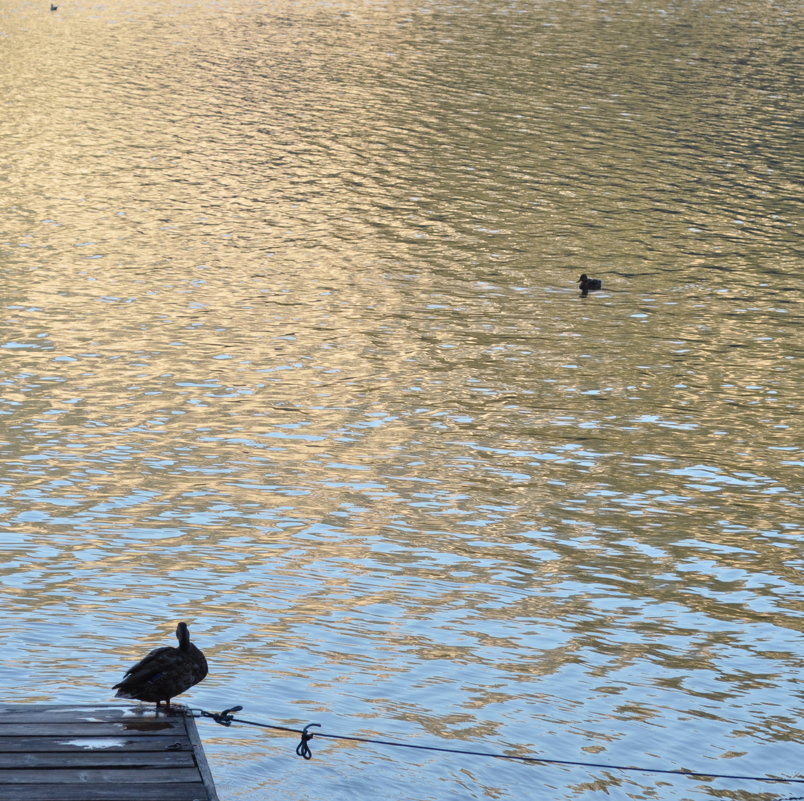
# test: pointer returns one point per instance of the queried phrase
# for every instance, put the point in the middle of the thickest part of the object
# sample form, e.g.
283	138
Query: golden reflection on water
293	350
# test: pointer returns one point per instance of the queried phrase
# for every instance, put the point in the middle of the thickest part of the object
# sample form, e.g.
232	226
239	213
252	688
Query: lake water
293	350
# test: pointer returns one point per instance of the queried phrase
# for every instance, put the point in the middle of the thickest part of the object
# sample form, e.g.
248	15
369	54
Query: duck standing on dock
165	672
586	283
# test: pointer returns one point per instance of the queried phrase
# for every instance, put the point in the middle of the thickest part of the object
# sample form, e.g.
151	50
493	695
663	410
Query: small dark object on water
586	283
165	672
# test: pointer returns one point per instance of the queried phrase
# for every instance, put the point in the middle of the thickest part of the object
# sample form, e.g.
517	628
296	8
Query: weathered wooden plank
128	728
30	713
97	776
96	759
25	712
106	792
201	759
12	745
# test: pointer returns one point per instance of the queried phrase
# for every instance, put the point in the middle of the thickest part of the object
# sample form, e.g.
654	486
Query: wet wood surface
101	753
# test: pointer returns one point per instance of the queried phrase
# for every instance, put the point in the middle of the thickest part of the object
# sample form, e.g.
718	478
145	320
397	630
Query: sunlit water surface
292	350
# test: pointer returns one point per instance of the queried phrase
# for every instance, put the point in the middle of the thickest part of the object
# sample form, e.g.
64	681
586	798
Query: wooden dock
101	753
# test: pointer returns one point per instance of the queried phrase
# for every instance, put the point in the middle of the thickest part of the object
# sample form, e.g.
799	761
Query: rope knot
226	717
302	749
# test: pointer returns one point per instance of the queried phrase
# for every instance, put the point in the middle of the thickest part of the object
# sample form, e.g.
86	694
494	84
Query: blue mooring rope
226	718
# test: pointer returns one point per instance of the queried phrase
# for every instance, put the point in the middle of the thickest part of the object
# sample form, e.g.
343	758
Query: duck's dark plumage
165	672
586	283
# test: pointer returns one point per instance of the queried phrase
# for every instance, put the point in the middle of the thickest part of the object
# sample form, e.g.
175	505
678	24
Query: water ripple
293	349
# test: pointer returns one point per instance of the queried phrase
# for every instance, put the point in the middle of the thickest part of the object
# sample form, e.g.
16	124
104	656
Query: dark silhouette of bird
53	7
165	672
586	283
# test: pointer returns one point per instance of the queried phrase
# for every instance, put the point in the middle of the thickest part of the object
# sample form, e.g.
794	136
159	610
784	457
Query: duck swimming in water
165	672
586	283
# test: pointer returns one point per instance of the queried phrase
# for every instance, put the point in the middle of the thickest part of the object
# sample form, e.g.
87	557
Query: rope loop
302	749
